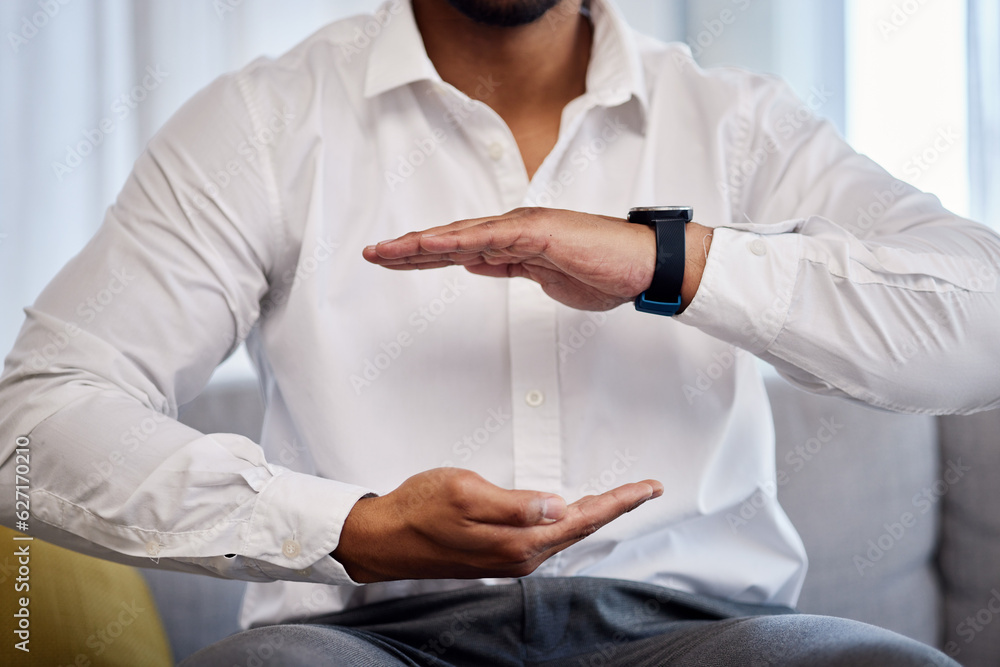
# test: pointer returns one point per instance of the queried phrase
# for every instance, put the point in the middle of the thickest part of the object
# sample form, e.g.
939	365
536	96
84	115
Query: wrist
358	536
698	245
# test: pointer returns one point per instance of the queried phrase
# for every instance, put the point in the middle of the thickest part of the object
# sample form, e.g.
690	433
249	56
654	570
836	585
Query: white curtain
984	108
65	66
85	83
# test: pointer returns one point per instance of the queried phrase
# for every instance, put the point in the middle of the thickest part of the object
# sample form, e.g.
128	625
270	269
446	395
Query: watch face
649	214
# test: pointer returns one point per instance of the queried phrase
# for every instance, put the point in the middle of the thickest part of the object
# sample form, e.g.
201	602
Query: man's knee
825	641
294	646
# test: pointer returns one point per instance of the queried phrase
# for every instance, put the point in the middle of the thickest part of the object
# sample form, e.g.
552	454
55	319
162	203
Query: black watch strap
669	223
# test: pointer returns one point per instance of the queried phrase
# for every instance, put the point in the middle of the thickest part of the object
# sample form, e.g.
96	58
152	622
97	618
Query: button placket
534	384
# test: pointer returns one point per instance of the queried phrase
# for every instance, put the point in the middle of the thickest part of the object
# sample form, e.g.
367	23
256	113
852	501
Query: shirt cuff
296	524
746	288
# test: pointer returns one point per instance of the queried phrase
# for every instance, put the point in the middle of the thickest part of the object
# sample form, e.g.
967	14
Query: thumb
518	508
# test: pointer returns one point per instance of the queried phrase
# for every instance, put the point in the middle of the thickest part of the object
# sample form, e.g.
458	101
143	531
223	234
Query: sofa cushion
852	481
226	407
970	538
81	610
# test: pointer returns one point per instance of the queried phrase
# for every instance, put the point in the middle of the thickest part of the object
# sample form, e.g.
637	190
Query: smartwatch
664	294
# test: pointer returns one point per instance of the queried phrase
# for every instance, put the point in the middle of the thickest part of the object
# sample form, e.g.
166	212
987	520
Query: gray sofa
900	516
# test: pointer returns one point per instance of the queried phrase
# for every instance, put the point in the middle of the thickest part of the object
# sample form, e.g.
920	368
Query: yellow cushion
82	611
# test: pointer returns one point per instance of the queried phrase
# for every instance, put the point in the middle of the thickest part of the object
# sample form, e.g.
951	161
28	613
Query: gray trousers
569	622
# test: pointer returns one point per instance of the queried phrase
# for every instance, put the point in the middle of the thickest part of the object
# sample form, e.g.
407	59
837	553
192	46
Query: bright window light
907	92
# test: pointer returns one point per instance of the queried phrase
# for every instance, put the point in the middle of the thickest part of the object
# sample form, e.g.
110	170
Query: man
433	435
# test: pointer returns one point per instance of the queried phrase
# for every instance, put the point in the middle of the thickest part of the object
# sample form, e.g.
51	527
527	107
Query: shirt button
152	548
757	247
290	548
534	398
496	151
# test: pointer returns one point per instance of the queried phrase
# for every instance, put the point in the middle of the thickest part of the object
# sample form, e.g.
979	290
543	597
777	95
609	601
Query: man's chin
504	13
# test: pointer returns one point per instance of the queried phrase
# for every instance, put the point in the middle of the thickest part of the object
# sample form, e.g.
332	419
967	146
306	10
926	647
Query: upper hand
588	262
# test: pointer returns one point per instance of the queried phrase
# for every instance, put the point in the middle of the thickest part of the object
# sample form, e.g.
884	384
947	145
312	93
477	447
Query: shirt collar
397	54
615	74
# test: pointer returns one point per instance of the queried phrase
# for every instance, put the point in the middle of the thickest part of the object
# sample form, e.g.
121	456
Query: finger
496	270
407	266
587	515
579	520
513	214
507	236
490	504
409	243
510	235
539	271
415	259
590	513
462	224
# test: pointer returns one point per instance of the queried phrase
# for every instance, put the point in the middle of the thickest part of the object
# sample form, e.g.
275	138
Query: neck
534	70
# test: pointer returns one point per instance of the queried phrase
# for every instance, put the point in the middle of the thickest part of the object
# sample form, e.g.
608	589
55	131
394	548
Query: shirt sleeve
131	328
849	281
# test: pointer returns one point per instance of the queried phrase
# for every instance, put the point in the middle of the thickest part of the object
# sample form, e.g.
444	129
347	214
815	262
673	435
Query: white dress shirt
245	219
